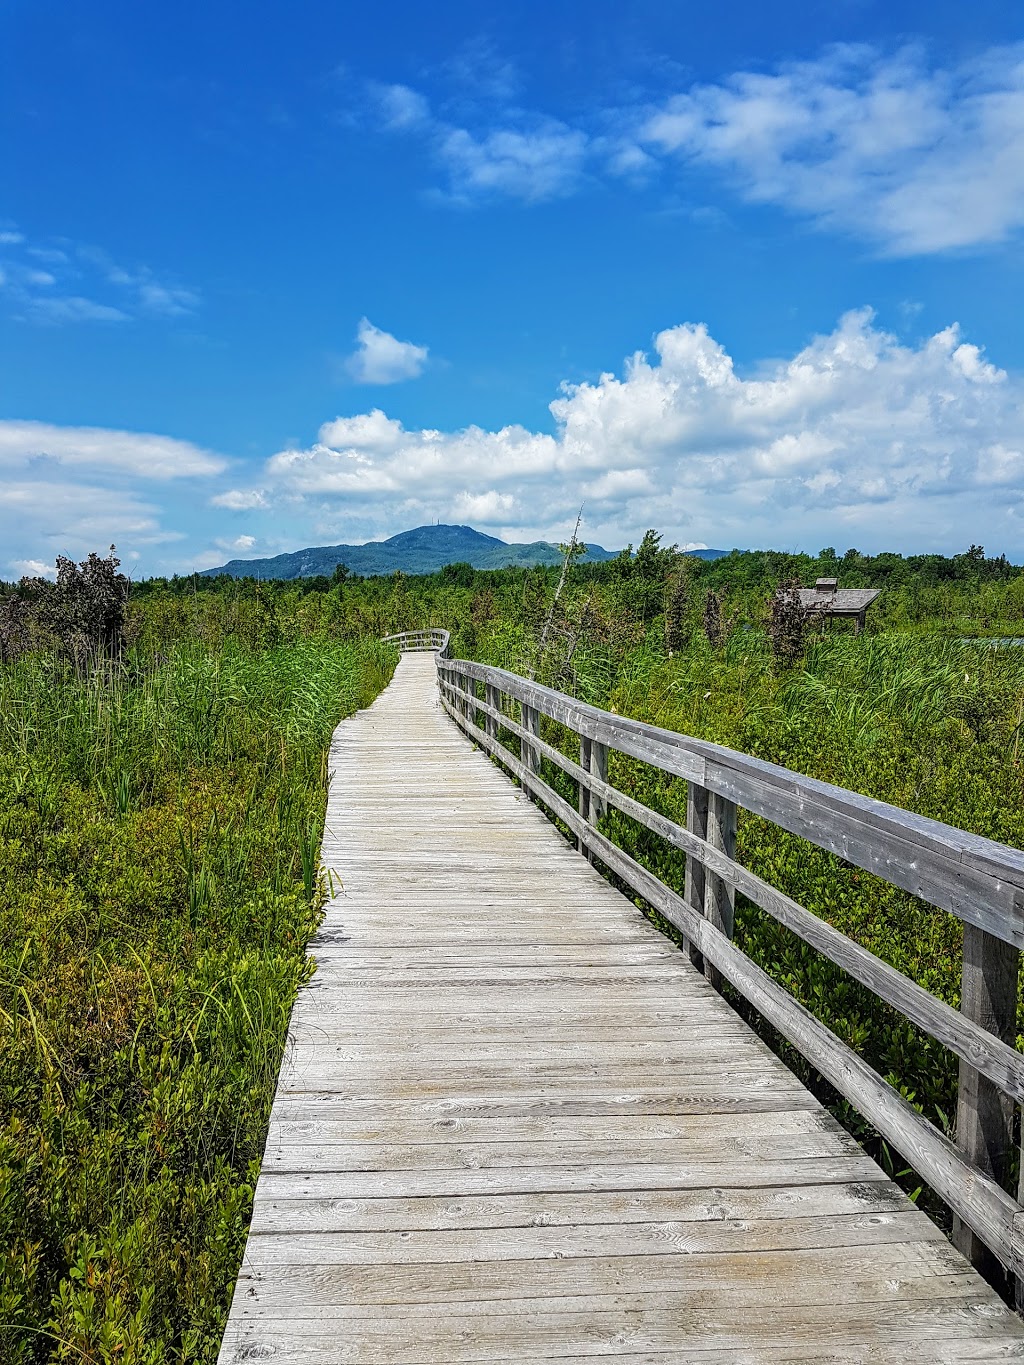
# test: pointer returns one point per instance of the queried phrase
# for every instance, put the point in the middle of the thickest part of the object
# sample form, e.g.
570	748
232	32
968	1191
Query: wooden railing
975	879
412	640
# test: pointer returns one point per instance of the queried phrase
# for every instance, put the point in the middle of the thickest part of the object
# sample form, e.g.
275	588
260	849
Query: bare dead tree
714	618
677	601
570	553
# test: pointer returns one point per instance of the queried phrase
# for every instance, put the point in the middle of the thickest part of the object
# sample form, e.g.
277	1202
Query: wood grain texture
507	1097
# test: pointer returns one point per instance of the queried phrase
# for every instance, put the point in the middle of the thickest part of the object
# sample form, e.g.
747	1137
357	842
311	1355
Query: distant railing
975	879
410	641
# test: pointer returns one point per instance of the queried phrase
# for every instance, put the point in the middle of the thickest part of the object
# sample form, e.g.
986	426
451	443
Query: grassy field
159	832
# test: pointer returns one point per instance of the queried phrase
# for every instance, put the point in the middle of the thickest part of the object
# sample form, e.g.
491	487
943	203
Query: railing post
594	760
471	716
584	792
984	1115
697	824
531	723
461	700
599	768
719	898
493	698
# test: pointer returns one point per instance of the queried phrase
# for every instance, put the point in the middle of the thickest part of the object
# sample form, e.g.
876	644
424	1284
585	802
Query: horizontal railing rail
410	641
977	880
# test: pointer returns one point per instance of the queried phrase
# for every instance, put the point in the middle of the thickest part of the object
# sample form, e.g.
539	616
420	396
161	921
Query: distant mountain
707	554
423	550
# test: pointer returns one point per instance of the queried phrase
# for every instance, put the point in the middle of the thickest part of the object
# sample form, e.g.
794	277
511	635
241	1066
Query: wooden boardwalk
514	1123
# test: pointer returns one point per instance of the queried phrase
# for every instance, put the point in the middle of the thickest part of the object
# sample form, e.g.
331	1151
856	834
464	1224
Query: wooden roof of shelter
838	601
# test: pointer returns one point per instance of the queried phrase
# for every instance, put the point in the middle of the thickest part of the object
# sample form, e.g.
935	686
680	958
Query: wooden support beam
584	791
531	723
984	1115
697	825
492	696
719	896
599	768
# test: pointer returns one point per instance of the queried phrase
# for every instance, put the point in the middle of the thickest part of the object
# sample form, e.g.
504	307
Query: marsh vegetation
163	761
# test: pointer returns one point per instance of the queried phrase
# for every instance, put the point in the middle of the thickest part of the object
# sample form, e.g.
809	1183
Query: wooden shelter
828	599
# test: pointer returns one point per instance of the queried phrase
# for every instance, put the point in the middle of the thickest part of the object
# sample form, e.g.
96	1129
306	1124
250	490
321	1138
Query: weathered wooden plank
393	1046
634	1239
468	1336
838	1168
607	1021
814	1215
531	1101
904	1271
302	1156
600	1128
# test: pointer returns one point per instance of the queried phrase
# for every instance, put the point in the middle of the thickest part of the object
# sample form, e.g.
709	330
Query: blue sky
275	276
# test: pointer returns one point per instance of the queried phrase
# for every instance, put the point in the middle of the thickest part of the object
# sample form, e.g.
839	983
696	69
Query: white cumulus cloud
485	509
913	157
139	454
508	153
538	162
402	108
69	490
858	436
381	358
240	499
33	568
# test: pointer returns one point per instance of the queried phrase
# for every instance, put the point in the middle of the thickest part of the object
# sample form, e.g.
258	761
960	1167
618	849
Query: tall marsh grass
159	836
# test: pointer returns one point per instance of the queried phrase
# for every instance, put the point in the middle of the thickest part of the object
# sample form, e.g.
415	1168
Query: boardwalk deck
514	1123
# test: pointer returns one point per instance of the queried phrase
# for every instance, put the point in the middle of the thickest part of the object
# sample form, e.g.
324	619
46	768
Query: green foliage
159	882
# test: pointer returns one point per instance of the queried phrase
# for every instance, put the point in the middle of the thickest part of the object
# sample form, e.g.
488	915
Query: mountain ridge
421	550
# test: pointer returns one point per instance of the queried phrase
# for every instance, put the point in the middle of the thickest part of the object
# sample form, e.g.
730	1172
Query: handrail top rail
439	639
947	838
977	879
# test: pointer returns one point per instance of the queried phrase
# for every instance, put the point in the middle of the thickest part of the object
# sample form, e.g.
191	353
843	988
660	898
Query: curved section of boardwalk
515	1124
